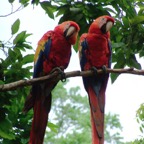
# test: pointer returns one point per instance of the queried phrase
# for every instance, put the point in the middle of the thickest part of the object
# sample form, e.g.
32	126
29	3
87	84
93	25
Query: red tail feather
40	119
97	118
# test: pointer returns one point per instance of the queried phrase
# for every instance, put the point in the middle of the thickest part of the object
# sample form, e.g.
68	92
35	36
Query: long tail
41	110
97	117
40	100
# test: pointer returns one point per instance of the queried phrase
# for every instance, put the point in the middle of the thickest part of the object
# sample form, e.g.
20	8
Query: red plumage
95	51
54	50
98	53
60	52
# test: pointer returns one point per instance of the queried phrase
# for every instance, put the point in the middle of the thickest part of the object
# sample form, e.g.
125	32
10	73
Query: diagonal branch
55	77
13	11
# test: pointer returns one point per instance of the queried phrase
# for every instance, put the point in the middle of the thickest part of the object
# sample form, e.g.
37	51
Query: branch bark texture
56	76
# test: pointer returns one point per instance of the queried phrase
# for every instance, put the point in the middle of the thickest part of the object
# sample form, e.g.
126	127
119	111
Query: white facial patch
102	22
66	26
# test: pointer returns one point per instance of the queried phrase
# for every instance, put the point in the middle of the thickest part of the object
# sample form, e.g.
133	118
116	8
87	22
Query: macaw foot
61	72
94	69
104	69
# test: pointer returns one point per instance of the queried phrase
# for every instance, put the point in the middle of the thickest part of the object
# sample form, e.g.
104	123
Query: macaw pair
53	53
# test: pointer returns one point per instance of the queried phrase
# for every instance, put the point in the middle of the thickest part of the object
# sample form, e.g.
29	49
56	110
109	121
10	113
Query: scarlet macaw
54	50
95	52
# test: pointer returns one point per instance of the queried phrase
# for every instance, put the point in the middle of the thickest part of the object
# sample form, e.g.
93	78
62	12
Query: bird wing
41	54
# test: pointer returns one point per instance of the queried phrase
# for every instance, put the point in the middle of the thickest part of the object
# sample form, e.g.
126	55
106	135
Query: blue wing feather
83	61
47	47
38	67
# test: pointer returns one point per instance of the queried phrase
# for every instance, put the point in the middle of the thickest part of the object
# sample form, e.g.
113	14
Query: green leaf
6	135
135	64
19	38
11	1
61	10
125	21
77	44
28	59
24	1
114	77
35	2
50	9
27	46
12	54
53	127
120	64
141	129
137	20
117	45
15	26
1	82
5	128
141	11
132	61
14	92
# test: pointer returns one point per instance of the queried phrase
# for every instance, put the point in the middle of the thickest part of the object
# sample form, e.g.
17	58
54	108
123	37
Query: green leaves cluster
14	126
140	117
113	129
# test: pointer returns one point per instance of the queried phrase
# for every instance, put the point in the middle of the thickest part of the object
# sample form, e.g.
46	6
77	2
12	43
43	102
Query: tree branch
56	76
13	11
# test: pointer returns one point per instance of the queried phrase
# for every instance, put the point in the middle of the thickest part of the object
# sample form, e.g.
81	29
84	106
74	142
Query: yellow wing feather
38	49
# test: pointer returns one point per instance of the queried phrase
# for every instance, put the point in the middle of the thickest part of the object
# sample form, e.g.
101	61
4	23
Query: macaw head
69	29
102	25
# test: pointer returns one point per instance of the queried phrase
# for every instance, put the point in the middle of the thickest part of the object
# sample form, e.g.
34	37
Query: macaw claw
94	69
104	69
63	77
61	72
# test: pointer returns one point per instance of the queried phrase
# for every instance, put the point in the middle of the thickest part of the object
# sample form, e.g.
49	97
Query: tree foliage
128	44
140	117
15	126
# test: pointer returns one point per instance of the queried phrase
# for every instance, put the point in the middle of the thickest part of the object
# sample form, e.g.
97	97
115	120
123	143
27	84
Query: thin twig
12	12
55	77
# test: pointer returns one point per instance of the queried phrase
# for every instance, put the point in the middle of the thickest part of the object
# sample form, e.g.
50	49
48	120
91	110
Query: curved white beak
109	25
70	31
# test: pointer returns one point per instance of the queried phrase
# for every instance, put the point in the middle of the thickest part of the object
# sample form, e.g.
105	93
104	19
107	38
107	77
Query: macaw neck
98	31
106	35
